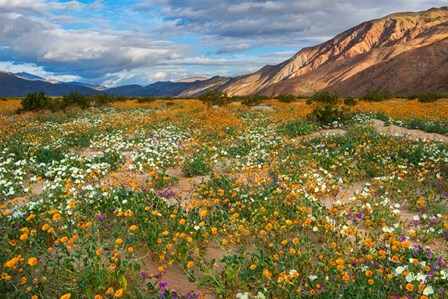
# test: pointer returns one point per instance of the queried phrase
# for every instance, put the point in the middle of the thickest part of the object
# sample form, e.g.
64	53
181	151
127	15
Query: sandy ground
262	108
412	134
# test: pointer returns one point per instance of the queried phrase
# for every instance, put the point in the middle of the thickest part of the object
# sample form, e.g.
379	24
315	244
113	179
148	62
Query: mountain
192	79
183	88
197	88
12	85
95	87
427	73
29	76
353	53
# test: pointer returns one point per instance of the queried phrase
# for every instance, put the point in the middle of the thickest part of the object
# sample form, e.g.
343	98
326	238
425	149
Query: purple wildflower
163	284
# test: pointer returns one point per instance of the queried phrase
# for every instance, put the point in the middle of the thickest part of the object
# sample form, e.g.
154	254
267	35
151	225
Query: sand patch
262	108
408	133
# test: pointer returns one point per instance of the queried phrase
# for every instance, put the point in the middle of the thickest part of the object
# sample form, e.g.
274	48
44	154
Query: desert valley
325	175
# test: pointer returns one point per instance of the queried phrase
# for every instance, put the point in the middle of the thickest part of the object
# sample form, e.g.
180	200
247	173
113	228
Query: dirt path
262	108
321	133
409	133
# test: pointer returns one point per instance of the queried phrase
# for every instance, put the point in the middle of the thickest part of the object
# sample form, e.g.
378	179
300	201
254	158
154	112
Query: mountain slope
14	86
428	73
197	88
29	76
347	54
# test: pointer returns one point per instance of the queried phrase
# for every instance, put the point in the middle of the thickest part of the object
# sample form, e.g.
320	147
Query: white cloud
88	53
41	5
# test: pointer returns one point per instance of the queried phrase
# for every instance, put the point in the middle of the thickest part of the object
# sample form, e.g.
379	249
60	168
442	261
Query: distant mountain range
402	53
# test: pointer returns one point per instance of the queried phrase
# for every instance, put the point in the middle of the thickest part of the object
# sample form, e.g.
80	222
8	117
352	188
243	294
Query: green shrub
35	101
253	100
47	155
427	97
145	100
76	99
324	97
196	166
297	128
100	100
374	95
288	98
328	114
214	98
350	101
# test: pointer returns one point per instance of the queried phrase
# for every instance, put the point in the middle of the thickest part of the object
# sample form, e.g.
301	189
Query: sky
114	42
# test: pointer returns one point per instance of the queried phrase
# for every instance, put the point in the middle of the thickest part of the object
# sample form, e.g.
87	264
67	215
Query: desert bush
288	98
297	128
196	166
100	100
375	95
350	101
252	100
145	100
328	109
324	97
76	99
35	101
328	114
427	97
214	98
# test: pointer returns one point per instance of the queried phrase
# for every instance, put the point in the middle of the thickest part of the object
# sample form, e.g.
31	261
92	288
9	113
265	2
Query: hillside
349	53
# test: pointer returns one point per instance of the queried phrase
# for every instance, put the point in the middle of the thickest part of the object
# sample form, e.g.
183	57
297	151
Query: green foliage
48	154
252	100
162	180
374	95
324	97
145	100
430	126
427	97
214	98
35	101
328	114
100	100
196	166
350	101
76	99
328	110
297	128
39	101
288	98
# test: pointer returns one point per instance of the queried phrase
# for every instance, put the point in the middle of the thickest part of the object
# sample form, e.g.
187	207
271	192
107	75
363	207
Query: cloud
88	53
42	6
286	18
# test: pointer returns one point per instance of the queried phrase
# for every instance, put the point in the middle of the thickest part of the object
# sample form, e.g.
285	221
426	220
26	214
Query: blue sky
111	42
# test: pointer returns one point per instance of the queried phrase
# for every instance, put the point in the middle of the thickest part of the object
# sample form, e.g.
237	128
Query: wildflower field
174	199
